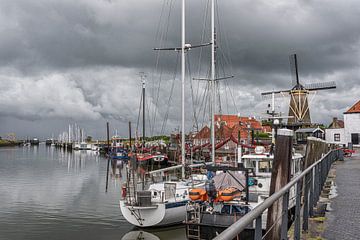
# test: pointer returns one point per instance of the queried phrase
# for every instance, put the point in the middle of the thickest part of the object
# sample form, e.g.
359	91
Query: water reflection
174	233
57	194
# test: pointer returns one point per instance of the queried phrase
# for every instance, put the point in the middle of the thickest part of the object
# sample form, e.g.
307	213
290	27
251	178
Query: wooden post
279	178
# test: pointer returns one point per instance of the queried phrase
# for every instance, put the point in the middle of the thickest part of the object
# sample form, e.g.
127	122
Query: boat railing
311	180
177	167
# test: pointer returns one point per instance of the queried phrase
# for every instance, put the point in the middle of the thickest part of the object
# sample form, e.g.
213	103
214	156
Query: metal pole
284	218
130	135
143	103
183	89
247	186
306	204
213	107
297	212
311	198
108	152
258	228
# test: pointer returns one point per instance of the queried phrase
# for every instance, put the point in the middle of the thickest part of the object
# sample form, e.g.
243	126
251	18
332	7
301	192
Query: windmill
299	103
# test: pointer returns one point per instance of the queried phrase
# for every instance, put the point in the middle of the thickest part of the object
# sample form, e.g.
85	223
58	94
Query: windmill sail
299	103
294	70
320	86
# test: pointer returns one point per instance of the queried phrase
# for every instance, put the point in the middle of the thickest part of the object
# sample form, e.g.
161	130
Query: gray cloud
66	61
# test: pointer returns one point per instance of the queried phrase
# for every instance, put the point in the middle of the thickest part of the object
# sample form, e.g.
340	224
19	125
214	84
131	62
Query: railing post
316	183
306	203
258	228
297	212
311	197
284	218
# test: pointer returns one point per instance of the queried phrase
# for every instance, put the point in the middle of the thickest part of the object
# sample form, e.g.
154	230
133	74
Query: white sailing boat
165	203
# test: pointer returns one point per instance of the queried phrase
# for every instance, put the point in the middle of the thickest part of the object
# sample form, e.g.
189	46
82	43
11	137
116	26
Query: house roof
234	120
336	123
309	130
228	125
354	109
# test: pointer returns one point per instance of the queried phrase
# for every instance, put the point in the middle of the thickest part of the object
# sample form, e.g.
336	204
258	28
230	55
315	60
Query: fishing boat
118	150
153	159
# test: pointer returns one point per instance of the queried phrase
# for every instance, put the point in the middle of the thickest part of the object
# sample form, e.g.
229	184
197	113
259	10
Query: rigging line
160	39
206	10
160	79
226	100
161	42
233	99
157	39
223	35
203	99
218	93
138	119
170	96
192	94
206	99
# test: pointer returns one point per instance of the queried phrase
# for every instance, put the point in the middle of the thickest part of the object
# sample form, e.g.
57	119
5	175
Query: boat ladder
193	220
131	189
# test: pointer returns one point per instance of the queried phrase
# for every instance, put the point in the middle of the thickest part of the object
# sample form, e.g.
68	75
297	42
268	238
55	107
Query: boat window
265	166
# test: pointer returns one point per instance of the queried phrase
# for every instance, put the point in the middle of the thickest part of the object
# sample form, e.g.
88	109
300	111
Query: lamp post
276	125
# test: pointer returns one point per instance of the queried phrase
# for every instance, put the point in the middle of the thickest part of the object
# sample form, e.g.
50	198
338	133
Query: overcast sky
78	61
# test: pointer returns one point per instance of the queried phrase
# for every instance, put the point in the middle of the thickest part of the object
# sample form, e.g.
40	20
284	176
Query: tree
88	139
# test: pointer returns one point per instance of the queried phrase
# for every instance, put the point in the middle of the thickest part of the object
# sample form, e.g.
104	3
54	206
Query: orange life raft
198	194
228	194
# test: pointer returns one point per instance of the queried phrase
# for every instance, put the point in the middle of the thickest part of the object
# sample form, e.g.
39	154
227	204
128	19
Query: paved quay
343	221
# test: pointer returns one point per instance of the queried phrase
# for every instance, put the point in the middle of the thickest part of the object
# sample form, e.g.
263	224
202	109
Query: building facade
347	131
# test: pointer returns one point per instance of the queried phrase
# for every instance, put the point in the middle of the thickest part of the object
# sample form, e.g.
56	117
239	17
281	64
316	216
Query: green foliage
261	135
88	139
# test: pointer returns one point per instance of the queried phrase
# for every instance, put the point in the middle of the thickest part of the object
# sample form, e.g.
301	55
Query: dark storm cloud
66	61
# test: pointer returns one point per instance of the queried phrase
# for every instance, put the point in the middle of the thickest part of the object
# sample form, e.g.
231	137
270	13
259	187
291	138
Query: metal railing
313	179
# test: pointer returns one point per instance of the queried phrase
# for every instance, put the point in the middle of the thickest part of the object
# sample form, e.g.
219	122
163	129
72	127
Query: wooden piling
279	178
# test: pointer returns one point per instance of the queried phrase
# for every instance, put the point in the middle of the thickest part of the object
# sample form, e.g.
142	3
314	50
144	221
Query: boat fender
123	191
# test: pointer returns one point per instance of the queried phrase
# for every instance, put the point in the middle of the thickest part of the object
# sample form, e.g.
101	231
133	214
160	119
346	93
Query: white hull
161	214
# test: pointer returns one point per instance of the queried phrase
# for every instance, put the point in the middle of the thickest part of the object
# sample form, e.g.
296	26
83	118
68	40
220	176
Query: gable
354	109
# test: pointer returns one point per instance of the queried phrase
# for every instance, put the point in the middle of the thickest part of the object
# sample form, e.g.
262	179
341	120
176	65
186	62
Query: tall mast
143	107
183	89
273	115
213	81
69	134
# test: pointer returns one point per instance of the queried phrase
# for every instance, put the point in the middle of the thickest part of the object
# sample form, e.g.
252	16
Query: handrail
237	227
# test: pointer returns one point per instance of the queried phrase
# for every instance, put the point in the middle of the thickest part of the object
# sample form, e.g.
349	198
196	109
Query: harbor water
50	193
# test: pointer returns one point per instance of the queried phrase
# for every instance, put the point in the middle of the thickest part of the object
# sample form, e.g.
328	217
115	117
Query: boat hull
161	214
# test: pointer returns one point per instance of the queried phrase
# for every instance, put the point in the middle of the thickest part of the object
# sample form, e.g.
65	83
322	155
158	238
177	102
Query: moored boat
162	204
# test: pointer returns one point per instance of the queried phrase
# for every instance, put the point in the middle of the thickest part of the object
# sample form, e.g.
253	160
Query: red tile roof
229	126
354	109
